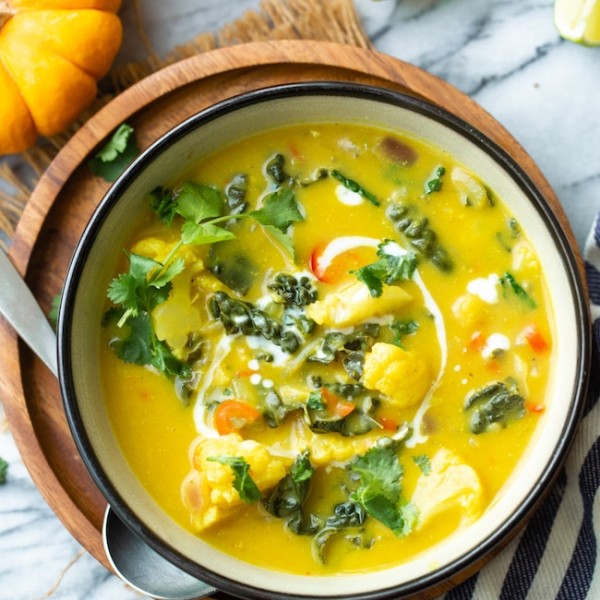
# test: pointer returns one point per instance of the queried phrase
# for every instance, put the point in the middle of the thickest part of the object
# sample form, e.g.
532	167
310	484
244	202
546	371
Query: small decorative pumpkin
52	52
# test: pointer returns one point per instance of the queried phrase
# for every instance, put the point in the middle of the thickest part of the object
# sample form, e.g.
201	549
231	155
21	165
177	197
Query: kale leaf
496	403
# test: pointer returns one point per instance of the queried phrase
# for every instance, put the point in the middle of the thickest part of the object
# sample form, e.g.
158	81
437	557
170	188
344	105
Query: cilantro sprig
116	155
379	492
135	294
203	209
394	264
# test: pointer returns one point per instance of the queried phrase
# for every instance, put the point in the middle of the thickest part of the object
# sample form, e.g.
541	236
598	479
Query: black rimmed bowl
109	230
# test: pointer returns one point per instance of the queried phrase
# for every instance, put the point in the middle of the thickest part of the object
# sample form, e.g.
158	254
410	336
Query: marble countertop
506	54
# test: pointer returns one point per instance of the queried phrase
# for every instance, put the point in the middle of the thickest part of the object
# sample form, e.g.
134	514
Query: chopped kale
419	235
235	191
434	183
496	403
293	291
351	347
242	317
287	500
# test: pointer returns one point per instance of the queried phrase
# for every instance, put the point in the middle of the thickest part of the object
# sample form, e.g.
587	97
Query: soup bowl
101	249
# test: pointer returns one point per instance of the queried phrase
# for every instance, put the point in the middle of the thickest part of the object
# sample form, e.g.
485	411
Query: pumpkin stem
6	12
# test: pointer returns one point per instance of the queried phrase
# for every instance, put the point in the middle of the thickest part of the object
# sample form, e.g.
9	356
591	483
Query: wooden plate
67	194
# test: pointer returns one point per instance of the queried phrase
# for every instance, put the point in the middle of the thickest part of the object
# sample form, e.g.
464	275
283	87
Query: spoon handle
20	308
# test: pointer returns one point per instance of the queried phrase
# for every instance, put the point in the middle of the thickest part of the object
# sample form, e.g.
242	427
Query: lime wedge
578	20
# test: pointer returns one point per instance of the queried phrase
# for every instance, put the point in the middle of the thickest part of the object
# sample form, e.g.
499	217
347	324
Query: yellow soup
326	348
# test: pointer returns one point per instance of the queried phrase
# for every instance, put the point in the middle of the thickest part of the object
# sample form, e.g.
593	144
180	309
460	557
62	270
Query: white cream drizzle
222	349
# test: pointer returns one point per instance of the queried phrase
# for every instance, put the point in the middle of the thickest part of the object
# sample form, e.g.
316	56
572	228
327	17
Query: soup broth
326	348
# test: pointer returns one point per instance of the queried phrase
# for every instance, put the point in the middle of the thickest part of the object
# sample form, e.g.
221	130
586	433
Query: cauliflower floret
402	376
208	491
451	484
470	310
332	447
353	304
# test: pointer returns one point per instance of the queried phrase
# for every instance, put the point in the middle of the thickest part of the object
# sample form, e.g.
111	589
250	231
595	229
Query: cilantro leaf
279	210
242	480
162	202
380	473
139	289
283	238
135	294
422	461
135	346
116	154
204	233
197	202
138	344
394	264
3	470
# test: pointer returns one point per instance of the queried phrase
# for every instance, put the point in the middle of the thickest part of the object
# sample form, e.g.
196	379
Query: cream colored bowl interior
108	247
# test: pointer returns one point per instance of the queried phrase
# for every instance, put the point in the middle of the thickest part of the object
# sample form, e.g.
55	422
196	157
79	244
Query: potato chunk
451	485
402	376
208	491
353	304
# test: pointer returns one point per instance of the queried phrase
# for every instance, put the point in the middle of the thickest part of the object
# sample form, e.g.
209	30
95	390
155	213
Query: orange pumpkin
52	52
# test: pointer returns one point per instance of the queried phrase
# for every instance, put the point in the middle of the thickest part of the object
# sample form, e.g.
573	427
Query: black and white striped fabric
556	556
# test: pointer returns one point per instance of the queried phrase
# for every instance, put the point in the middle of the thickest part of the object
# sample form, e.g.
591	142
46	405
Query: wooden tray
67	194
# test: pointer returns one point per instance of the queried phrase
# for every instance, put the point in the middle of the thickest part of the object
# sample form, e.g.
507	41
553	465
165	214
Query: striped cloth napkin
556	557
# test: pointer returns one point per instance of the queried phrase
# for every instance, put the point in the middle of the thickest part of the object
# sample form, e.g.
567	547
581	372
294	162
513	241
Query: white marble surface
506	54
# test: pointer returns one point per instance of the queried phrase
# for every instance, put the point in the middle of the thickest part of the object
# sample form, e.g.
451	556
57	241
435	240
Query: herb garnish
242	480
203	206
508	280
422	461
135	294
238	316
116	155
287	499
434	183
394	264
379	474
498	402
355	187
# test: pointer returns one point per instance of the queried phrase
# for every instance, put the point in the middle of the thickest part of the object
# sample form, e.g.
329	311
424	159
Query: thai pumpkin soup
326	348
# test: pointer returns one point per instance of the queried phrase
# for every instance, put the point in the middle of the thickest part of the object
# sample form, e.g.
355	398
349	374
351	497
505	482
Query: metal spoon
134	562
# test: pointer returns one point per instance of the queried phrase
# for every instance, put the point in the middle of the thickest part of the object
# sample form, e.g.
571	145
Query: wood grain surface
67	194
